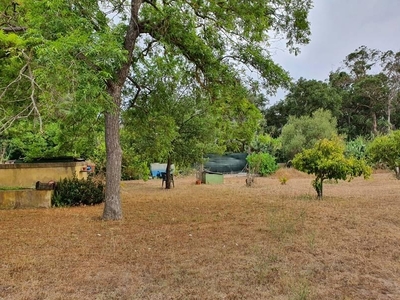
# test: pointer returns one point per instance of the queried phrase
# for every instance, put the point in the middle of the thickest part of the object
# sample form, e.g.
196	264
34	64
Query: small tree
386	149
326	160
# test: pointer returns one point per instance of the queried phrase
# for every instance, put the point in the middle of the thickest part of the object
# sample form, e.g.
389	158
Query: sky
338	27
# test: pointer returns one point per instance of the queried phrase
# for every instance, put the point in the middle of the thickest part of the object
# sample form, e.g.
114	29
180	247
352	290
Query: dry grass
228	241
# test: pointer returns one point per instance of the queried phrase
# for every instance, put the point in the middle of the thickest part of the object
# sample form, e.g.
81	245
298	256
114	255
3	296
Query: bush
75	192
262	163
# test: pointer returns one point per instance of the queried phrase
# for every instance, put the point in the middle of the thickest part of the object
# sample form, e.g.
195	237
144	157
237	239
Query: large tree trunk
112	207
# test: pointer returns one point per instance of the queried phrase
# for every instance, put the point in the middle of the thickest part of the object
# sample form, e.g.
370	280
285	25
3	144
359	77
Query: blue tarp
156	169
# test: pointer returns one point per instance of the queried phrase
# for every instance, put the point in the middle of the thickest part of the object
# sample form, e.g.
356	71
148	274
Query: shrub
262	163
75	192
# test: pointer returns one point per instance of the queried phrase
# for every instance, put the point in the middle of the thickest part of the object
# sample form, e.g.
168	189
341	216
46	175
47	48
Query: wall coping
43	165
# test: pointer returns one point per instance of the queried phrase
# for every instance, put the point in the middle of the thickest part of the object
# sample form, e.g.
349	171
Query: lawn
270	241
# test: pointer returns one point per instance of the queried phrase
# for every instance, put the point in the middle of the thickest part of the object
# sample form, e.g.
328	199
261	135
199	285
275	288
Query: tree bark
388	117
13	29
389	110
168	174
374	124
318	185
112	207
321	190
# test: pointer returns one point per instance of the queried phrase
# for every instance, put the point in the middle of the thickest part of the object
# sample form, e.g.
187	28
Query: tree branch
14	29
133	101
152	3
32	107
32	96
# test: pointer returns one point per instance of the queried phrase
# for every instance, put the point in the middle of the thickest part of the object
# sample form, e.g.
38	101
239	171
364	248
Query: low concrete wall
28	198
27	174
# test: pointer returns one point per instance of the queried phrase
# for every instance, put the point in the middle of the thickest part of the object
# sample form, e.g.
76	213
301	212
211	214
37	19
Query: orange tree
326	160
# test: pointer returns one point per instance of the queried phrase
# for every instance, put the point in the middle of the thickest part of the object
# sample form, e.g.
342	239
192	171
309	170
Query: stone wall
28	198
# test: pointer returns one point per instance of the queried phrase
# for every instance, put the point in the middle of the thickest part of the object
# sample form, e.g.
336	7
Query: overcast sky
338	27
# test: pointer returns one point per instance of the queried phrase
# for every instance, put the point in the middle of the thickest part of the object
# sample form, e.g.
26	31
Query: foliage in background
326	160
99	154
266	144
133	167
238	123
262	163
307	96
369	86
357	148
26	143
303	132
303	99
75	192
386	149
363	95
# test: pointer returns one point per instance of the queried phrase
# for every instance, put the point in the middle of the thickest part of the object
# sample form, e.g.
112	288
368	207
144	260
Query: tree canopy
303	99
369	92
